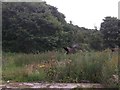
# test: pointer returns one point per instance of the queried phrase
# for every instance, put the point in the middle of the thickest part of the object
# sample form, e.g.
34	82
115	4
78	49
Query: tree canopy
111	32
30	27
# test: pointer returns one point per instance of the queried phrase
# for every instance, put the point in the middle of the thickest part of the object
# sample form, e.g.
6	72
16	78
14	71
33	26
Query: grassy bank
96	67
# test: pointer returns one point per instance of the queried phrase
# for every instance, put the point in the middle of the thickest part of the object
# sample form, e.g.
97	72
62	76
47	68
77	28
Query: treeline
32	27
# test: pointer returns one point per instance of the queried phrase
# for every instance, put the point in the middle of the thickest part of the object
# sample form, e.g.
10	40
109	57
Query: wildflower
8	81
42	66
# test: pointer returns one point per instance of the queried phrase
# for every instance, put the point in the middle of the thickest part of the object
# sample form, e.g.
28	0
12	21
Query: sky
86	13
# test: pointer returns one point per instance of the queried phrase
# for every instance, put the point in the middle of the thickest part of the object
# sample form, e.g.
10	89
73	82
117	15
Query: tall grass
97	67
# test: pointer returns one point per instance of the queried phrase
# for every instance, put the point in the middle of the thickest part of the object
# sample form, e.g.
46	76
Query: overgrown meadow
54	66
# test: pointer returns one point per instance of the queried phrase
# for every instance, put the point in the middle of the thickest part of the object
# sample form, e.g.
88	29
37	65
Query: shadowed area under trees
37	27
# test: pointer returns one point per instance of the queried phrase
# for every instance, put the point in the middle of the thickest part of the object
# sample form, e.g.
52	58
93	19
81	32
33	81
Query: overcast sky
86	13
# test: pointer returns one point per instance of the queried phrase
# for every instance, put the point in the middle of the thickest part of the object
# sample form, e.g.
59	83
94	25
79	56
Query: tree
96	40
109	29
31	27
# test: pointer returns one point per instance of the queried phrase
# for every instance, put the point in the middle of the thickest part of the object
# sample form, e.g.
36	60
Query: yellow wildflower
42	66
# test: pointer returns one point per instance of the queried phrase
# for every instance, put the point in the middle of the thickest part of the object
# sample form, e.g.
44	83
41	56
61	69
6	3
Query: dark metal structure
72	49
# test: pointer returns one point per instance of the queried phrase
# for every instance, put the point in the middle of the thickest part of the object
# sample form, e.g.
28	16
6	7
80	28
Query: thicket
37	27
92	67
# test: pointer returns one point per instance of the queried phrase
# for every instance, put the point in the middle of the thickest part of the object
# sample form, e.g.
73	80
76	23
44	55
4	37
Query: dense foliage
110	31
39	27
32	27
93	67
